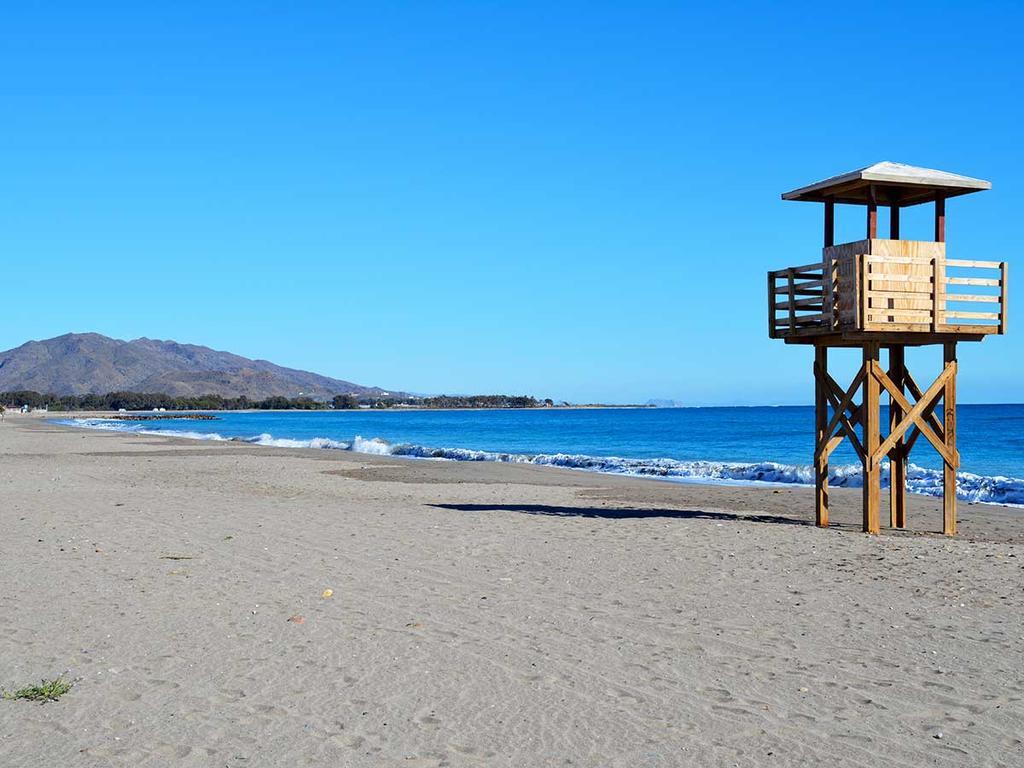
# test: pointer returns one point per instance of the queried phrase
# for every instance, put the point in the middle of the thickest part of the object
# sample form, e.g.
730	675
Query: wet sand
484	614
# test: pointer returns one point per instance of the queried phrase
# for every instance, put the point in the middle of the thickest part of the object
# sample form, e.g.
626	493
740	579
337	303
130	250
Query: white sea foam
373	445
138	428
920	480
283	442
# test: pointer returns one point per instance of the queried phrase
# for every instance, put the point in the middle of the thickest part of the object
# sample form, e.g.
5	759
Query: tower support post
898	454
872	437
908	421
821	437
952	460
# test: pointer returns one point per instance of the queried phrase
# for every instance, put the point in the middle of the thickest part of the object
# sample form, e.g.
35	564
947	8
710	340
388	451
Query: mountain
83	363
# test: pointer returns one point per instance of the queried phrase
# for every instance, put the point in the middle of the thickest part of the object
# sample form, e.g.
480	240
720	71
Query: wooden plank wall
900	276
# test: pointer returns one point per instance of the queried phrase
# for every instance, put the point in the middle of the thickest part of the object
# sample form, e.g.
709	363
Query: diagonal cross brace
824	448
914	415
835	394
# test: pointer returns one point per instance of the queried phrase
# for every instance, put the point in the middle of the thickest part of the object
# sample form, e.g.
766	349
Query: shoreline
484	613
709	471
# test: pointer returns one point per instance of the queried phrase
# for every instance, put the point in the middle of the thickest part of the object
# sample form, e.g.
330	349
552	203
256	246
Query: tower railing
799	298
880	293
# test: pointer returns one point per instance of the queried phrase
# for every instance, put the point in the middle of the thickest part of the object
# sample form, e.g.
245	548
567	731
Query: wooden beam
972	297
852	338
792	297
898	454
894	222
828	288
958	315
818	266
830	224
870	417
820	451
991	282
811	302
798	291
949	468
862	290
806	288
973	263
940	218
1003	277
872	198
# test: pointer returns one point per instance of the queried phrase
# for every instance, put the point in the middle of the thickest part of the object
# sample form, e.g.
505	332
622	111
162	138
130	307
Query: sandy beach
484	614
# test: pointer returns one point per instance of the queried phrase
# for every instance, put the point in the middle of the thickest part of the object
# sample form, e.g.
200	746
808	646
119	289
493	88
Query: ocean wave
920	480
283	442
137	428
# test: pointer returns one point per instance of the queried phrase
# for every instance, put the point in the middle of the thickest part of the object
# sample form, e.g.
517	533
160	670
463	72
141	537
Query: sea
720	445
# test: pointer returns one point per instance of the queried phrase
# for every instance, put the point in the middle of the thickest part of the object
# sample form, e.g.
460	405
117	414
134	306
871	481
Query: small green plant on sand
47	690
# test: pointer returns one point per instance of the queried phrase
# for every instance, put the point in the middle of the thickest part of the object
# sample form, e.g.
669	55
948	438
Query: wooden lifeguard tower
893	293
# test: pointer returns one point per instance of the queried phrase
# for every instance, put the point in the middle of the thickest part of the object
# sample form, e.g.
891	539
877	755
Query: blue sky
576	200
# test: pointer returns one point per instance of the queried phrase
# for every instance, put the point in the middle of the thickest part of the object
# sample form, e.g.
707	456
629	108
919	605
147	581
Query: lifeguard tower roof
893	184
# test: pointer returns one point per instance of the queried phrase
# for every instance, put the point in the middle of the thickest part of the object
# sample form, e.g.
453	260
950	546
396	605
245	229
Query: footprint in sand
718	694
176	751
470	751
723	709
429	721
157	683
350	742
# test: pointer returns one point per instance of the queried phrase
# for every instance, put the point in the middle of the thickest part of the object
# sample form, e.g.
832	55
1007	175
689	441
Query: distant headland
90	372
157	405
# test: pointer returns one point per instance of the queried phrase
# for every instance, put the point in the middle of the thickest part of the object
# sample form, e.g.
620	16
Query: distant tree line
345	402
461	400
481	401
147	401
